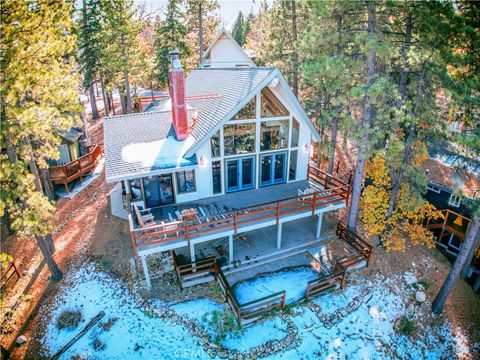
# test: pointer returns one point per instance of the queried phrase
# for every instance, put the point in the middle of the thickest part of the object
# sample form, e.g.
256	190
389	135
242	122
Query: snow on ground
135	334
293	281
364	333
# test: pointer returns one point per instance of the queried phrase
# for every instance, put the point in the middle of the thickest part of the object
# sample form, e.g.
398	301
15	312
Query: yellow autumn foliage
405	225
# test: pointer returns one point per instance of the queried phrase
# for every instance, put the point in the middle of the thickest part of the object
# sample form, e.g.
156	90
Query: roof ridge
136	114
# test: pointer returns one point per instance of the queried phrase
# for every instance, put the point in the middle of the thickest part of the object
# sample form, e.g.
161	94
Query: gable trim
217	38
231	114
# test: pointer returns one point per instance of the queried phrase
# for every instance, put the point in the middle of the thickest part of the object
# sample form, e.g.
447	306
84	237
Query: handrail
232	220
353	239
76	168
323	283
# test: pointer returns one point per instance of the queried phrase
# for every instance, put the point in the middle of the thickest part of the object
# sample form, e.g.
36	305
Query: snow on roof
143	144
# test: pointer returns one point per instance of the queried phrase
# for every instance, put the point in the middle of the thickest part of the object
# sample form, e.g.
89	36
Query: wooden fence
326	283
359	244
243	312
336	190
65	174
7	275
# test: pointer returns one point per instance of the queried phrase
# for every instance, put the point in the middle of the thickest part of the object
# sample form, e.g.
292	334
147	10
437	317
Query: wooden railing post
342	283
314	203
278	211
235	222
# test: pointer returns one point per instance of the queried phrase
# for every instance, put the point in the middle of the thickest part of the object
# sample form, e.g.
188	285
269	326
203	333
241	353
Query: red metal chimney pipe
176	80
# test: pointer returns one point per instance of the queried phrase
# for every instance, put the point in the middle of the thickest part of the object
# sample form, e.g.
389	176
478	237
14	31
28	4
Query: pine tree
238	29
90	44
38	101
210	22
169	35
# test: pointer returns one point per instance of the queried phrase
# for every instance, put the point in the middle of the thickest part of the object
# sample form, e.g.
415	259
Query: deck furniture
77	169
144	216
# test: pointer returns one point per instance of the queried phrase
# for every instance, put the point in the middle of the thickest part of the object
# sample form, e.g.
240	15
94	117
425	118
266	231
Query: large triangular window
270	105
247	112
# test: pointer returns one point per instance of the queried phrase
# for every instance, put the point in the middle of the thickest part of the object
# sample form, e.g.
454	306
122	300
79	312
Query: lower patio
256	252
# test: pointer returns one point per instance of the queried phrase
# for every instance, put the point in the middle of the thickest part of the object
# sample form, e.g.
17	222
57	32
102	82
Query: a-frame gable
302	116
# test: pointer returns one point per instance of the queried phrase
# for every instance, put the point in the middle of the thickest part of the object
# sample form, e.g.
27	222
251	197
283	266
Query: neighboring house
454	187
226	153
224	52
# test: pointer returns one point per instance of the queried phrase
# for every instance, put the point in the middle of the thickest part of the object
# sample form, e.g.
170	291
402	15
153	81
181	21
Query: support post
230	248
145	271
192	252
319	226
279	235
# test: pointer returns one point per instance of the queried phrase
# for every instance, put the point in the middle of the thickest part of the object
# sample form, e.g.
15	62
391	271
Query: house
454	187
227	153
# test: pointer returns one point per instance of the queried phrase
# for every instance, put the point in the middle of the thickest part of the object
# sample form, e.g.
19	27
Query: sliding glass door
158	190
240	174
273	168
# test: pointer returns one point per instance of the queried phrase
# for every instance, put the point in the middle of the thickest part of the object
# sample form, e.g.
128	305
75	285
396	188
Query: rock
410	311
420	296
409	278
22	339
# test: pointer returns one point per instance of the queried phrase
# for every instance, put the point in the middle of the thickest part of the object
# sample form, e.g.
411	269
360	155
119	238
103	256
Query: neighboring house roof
141	144
224	36
71	135
454	172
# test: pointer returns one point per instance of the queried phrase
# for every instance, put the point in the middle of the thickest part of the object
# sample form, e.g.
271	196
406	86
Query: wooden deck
65	174
331	193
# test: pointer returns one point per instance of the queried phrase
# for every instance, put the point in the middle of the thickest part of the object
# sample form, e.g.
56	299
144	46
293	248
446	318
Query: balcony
65	174
235	213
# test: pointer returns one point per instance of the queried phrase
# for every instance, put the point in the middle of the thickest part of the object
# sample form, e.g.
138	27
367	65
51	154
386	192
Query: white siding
226	53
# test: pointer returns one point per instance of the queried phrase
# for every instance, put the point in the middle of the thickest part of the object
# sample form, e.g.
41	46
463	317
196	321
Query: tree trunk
200	32
468	262
333	146
93	102
128	100
47	255
363	146
465	250
106	110
123	103
111	104
294	50
408	150
47	184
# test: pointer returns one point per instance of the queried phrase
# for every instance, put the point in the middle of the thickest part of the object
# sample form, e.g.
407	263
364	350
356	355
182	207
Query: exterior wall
203	173
226	54
441	201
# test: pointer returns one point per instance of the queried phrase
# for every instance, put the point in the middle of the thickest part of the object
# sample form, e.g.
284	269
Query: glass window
239	138
216	177
454	200
270	105
247	112
292	170
215	145
433	188
274	135
186	181
135	189
295	132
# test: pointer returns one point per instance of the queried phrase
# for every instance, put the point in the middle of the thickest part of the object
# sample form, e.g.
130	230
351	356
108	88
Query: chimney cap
175	58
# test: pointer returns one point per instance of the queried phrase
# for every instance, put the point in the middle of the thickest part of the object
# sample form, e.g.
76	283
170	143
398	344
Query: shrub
224	323
69	319
425	283
106	326
105	263
405	326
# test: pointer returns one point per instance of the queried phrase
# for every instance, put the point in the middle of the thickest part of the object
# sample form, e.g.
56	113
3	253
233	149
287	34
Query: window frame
184	172
434	188
456	203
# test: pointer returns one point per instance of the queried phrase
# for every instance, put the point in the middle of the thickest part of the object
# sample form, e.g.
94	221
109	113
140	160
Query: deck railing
336	190
196	268
10	272
357	242
65	174
326	283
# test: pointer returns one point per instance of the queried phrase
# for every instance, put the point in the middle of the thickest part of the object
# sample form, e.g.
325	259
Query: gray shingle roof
139	144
